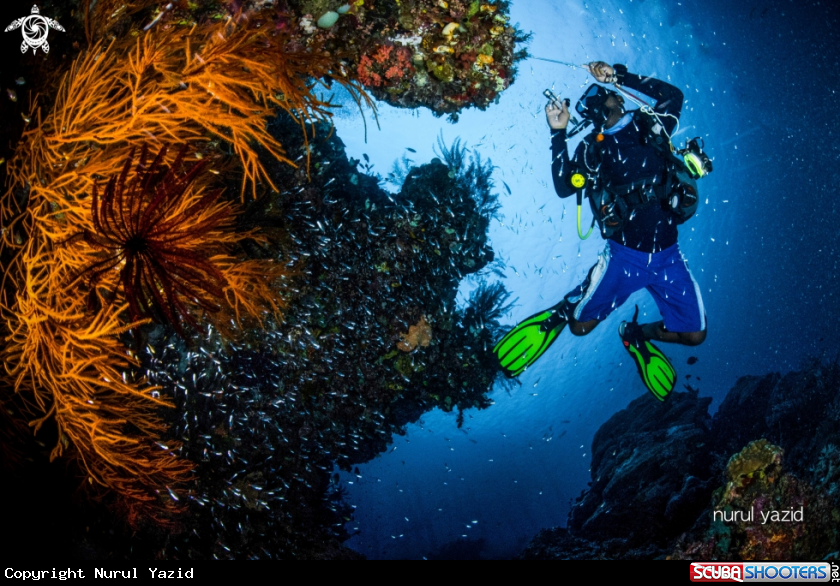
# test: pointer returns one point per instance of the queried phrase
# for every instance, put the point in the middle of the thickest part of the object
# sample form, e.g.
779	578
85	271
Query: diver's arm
557	116
561	166
669	99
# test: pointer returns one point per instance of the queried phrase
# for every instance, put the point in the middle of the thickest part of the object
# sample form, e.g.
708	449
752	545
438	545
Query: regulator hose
580	232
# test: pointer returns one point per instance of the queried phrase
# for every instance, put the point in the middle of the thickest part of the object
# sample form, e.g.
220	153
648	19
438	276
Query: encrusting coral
195	88
446	56
419	334
758	460
764	513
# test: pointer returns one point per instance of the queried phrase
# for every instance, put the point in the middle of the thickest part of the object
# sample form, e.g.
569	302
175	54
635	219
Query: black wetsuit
626	159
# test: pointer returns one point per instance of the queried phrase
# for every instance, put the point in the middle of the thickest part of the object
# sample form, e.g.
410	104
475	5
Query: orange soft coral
217	83
383	54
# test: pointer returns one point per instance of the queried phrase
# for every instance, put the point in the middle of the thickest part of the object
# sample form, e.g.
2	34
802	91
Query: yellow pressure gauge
578	180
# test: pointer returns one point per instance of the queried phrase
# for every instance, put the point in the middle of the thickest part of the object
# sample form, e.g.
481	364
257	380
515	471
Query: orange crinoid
210	89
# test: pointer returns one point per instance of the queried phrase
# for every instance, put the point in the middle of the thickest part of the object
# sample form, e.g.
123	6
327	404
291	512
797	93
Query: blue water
761	87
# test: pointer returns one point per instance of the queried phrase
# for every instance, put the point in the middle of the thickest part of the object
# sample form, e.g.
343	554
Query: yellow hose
580	232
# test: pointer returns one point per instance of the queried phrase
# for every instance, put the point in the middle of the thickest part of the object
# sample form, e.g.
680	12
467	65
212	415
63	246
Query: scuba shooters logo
715	572
795	572
35	29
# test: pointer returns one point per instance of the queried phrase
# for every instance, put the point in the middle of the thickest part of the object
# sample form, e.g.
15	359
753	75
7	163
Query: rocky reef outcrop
445	56
763	513
650	459
757	481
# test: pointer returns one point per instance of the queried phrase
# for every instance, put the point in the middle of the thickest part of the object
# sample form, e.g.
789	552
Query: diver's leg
678	298
607	286
658	331
581	328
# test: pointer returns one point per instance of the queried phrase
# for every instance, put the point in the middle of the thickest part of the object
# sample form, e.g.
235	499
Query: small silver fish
20	81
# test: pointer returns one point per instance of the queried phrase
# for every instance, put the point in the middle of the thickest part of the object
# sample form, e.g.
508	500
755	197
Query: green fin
654	367
529	340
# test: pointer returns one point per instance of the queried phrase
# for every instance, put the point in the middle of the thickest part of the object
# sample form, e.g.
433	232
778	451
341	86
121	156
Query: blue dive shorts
621	271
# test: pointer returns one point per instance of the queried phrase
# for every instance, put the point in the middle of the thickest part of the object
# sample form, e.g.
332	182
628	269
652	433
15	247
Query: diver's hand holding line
558	115
558	118
601	71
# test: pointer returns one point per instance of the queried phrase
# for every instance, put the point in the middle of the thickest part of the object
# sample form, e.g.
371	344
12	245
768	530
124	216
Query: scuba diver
639	190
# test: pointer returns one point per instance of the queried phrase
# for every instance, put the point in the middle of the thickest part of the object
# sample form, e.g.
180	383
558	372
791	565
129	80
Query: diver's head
604	107
614	105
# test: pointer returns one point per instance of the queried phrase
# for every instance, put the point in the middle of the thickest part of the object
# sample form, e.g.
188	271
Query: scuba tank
681	194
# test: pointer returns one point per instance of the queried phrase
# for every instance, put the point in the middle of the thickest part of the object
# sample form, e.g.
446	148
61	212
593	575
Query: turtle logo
35	29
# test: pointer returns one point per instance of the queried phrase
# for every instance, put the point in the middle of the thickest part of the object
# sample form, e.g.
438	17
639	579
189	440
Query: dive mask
592	104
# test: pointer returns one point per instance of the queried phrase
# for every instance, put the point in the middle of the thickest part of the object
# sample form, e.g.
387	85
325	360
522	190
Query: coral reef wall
370	339
269	419
65	311
758	481
204	356
445	56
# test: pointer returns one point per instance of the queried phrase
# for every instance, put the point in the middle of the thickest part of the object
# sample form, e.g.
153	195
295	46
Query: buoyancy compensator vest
676	189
